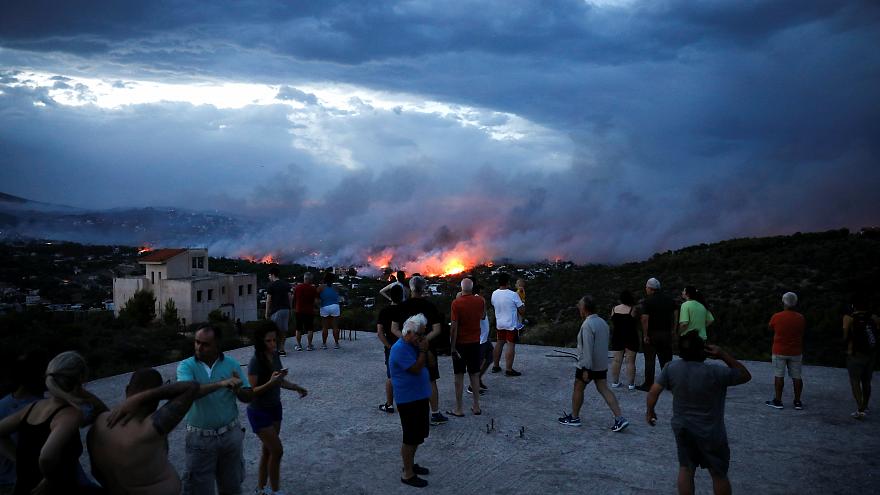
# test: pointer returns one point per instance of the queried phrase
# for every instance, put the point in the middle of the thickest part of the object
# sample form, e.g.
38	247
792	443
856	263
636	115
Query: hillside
743	280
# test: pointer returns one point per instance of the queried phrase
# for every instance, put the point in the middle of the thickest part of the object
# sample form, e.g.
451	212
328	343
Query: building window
240	290
250	289
223	290
194	263
201	261
210	294
160	275
198	296
153	277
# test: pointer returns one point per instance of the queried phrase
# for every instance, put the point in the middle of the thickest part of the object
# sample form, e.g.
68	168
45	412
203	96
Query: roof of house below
160	255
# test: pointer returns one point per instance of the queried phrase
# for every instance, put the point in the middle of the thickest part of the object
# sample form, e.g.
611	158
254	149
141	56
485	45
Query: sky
418	132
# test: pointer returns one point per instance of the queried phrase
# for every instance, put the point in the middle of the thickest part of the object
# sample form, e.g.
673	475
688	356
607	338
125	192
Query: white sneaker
615	385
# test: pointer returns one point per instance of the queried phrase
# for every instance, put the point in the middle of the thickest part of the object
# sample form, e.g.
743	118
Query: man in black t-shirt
278	305
387	315
417	304
658	322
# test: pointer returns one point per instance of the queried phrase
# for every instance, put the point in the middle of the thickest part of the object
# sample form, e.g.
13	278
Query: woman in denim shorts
268	376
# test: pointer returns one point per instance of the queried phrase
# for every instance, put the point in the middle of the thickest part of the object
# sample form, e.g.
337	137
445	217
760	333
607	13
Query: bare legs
389	392
270	459
459	391
408	454
720	483
630	360
508	358
577	397
326	323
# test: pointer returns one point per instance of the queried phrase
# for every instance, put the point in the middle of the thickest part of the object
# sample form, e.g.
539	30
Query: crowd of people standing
41	419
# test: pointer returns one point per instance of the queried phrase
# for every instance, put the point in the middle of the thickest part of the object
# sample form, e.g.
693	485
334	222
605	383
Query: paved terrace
337	441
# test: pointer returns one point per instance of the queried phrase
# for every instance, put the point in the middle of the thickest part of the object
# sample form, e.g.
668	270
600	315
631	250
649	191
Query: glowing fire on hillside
146	248
434	264
267	259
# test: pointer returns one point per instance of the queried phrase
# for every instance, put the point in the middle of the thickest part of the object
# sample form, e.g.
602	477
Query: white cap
652	283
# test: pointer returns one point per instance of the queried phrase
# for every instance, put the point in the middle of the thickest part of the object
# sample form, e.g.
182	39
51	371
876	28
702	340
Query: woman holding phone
268	376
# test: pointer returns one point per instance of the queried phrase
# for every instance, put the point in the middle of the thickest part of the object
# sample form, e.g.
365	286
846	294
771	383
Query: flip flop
476	413
453	414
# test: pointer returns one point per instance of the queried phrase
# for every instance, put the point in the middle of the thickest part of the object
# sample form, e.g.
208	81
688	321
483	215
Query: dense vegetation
743	279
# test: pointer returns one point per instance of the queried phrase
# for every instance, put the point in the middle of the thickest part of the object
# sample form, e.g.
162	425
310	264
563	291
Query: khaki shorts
793	363
214	461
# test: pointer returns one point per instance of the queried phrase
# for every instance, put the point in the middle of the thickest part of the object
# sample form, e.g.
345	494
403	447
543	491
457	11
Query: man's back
788	333
660	310
131	458
506	302
280	292
304	298
699	391
467	311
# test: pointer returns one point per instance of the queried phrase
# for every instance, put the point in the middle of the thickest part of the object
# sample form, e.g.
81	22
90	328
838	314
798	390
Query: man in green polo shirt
213	434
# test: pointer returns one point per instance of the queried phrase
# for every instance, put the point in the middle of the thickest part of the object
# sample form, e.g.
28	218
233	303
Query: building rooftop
160	255
337	440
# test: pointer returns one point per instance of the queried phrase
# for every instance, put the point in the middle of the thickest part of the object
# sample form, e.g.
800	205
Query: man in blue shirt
412	390
213	434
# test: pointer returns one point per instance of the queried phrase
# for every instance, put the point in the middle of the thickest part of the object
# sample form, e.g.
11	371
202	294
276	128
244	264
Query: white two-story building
183	276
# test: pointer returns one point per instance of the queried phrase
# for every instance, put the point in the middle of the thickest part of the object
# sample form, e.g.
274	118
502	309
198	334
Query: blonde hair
65	373
414	323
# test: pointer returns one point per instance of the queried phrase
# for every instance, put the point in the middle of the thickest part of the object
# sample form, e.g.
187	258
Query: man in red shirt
788	337
467	311
304	310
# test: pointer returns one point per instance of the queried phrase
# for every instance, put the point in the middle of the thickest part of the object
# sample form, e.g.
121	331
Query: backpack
863	334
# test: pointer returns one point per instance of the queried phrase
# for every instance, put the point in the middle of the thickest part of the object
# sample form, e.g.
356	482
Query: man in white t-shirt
509	309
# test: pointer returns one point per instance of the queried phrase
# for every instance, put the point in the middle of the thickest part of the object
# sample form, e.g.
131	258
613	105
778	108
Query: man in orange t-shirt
467	311
788	338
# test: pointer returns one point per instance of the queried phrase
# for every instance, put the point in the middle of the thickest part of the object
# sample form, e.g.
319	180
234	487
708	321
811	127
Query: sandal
452	413
476	413
415	481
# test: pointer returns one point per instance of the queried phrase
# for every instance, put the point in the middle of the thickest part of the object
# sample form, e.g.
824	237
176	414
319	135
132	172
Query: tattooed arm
180	396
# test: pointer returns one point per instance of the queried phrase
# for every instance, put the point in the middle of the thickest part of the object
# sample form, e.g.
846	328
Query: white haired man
417	303
467	312
412	390
788	339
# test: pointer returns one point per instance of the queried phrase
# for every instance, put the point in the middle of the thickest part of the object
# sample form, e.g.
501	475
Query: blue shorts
262	418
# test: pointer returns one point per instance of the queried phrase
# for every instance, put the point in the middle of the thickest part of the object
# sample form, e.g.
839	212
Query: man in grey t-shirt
699	391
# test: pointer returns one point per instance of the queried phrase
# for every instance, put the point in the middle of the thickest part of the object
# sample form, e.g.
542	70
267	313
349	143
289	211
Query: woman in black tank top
31	439
624	340
49	447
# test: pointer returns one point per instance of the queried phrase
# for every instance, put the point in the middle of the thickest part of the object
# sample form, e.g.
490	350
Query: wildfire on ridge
146	248
443	264
267	259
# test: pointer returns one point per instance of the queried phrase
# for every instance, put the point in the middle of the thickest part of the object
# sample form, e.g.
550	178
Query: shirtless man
139	430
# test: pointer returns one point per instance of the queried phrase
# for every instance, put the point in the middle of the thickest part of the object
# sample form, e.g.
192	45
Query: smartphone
283	370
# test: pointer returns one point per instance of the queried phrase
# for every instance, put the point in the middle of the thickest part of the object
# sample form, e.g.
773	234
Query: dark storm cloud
686	121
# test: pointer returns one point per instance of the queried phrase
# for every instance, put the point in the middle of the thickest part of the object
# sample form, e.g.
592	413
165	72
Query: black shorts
585	375
305	322
694	451
414	420
486	350
433	368
621	340
470	359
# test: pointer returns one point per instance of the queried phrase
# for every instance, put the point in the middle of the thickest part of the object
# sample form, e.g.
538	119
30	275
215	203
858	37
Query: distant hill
743	279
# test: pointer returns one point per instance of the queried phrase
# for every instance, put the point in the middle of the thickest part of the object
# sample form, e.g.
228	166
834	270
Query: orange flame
433	264
267	259
146	248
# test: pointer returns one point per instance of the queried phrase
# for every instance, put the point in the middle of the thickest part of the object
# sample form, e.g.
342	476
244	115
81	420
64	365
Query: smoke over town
440	136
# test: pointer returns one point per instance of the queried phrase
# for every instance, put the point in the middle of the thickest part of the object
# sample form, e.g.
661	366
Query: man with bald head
467	311
128	447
